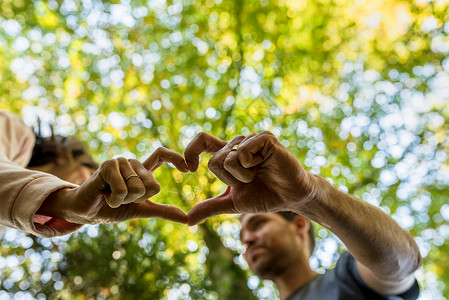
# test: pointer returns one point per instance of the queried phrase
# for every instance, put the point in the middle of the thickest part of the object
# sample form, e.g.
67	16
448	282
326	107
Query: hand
116	192
262	176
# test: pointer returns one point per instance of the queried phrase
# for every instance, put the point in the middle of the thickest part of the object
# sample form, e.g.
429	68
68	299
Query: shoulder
12	121
16	138
346	271
343	282
6	115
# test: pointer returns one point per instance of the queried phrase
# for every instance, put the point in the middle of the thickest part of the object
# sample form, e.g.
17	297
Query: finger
249	136
152	187
256	149
212	207
134	184
234	167
114	181
203	142
216	163
236	170
150	209
162	155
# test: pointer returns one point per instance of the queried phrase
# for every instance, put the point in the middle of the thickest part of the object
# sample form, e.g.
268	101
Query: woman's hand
116	192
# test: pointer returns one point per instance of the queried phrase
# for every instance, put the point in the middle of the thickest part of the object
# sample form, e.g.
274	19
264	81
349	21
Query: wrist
56	204
315	206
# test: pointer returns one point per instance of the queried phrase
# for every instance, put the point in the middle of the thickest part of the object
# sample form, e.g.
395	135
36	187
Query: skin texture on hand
114	194
262	176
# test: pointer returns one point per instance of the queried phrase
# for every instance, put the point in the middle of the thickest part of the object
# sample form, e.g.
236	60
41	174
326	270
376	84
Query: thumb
211	207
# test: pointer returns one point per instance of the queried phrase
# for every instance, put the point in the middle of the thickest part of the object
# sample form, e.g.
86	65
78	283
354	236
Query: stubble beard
268	267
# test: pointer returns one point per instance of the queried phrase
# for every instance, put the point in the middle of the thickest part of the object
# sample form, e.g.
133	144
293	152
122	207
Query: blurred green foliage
357	90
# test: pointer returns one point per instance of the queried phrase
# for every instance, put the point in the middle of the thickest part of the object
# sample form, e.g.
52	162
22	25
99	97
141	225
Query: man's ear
302	225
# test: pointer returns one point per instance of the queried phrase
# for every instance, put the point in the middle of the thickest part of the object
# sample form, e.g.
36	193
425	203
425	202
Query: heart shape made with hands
262	176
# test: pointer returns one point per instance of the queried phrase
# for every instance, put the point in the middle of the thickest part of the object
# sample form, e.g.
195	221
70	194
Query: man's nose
248	238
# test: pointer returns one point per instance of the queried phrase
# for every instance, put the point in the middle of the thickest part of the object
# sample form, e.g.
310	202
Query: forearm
372	237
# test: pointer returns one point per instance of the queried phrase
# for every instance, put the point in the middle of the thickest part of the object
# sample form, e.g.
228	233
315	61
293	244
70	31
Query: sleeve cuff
29	201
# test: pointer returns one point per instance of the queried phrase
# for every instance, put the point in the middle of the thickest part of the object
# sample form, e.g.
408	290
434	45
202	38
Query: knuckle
250	136
148	182
134	162
213	165
152	187
155	188
121	160
201	135
248	177
268	133
121	192
238	138
110	163
137	190
160	150
269	137
229	162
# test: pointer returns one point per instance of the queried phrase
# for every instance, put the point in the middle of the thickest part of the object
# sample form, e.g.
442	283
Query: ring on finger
131	176
235	147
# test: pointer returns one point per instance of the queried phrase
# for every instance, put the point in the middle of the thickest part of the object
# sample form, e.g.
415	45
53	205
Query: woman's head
65	157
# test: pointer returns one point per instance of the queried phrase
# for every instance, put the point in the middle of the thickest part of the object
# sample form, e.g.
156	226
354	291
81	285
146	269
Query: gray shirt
344	283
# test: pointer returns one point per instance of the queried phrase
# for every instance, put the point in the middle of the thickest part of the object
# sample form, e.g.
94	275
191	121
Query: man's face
271	243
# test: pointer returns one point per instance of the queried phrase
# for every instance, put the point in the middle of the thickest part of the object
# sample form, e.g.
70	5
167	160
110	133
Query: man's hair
48	149
289	216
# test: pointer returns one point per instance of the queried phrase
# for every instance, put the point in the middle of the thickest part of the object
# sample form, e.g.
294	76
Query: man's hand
262	176
116	192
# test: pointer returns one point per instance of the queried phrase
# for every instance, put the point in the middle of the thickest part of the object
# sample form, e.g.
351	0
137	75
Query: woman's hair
49	149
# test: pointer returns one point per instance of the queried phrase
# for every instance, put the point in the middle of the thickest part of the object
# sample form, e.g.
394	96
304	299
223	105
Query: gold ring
235	147
131	176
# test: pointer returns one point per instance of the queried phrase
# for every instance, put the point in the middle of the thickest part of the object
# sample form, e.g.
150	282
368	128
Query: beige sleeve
23	191
16	139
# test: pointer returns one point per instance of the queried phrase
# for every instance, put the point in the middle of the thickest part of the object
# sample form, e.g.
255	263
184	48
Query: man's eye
257	224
